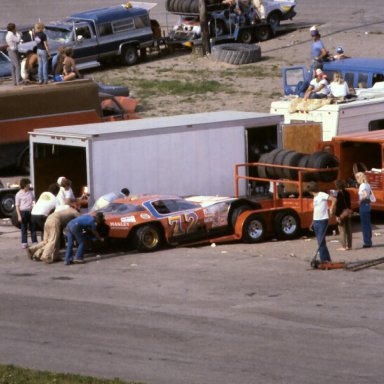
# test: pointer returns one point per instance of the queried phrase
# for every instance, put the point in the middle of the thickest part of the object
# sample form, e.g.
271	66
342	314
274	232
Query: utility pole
204	27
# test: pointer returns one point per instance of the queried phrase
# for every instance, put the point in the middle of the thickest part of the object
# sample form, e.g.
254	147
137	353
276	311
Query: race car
149	221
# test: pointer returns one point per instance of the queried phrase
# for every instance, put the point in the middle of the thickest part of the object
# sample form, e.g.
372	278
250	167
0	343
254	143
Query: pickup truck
100	35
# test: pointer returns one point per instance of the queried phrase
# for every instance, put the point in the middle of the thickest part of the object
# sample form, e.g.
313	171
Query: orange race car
150	221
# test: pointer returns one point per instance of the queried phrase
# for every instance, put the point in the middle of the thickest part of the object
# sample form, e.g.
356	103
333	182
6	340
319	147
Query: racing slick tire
261	169
271	159
147	238
323	160
286	225
190	7
254	229
236	53
292	160
7	204
279	160
239	210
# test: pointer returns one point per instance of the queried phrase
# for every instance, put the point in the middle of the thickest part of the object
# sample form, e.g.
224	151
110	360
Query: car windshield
60	35
168	206
121	208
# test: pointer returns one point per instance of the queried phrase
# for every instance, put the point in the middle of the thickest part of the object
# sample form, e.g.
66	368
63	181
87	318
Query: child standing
24	201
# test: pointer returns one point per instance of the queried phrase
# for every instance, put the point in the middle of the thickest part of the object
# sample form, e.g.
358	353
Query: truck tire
129	55
323	160
286	225
147	238
236	54
263	33
7	204
254	229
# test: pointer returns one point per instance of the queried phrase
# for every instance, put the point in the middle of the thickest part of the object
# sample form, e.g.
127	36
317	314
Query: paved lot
232	313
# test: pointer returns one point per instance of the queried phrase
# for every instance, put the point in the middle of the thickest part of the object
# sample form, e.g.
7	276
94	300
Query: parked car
148	221
276	11
5	66
26	32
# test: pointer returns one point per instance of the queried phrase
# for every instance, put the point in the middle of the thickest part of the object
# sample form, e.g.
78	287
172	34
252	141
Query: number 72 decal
189	219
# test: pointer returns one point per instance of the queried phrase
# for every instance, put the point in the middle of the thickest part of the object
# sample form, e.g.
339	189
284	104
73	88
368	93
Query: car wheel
254	229
286	225
236	213
130	56
147	238
263	33
245	37
274	19
236	54
7	204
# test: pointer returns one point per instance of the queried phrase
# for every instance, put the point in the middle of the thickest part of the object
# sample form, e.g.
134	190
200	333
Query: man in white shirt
13	39
320	218
318	87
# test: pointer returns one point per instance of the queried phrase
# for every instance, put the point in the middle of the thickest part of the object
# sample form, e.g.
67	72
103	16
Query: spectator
366	196
318	87
343	201
44	206
13	39
76	230
42	53
339	87
29	66
24	201
106	199
70	72
318	52
57	64
339	54
320	218
65	195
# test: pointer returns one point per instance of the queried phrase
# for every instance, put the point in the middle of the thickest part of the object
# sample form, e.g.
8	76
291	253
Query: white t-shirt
45	205
320	206
339	90
365	187
316	85
64	195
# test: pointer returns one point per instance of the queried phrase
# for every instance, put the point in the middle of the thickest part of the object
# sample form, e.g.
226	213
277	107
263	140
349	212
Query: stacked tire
189	7
317	160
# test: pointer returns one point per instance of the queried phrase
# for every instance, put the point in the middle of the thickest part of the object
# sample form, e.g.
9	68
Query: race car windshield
119	208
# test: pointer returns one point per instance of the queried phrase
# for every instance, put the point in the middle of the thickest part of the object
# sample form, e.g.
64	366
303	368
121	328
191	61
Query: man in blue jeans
320	218
77	229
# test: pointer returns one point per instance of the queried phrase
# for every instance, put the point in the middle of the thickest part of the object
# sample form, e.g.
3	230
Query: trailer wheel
274	19
236	54
130	56
254	229
147	238
263	33
286	225
245	37
7	204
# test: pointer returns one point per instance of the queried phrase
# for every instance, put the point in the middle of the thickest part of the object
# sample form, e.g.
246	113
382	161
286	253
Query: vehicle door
86	43
294	78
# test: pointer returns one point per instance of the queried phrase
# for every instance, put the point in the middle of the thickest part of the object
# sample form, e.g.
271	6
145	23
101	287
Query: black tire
303	163
237	212
292	160
263	33
323	160
270	159
261	169
286	225
254	229
7	204
246	37
129	55
185	5
147	238
274	19
279	160
236	54
217	28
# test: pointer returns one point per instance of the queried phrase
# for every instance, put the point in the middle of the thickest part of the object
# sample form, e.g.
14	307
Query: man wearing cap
318	52
339	54
77	229
318	87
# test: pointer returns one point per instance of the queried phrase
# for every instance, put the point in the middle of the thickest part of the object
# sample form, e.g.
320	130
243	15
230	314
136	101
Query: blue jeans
365	219
26	221
320	228
42	60
74	231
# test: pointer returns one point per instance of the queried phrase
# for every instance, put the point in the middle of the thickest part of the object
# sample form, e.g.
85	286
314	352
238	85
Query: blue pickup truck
101	35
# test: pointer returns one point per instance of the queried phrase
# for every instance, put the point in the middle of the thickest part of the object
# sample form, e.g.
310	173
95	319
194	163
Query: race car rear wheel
254	229
147	238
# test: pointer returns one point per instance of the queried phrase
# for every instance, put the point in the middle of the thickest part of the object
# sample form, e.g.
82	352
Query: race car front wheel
147	238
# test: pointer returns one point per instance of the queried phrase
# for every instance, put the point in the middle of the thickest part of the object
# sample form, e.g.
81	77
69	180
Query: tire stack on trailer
190	7
283	157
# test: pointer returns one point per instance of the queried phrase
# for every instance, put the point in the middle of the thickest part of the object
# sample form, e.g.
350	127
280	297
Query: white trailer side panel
182	163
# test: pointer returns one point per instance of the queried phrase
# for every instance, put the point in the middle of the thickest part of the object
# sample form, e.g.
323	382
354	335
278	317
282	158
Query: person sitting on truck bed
70	72
318	87
339	87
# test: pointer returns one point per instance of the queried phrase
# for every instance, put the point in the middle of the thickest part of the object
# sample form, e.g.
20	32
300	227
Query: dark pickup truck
101	35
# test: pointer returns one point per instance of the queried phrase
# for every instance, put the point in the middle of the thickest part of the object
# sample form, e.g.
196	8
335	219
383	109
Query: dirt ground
250	87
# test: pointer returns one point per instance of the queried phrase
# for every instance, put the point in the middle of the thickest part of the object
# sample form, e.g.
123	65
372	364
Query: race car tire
254	229
323	160
147	238
261	169
7	204
237	212
270	159
236	54
303	163
292	160
190	7
286	225
279	160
